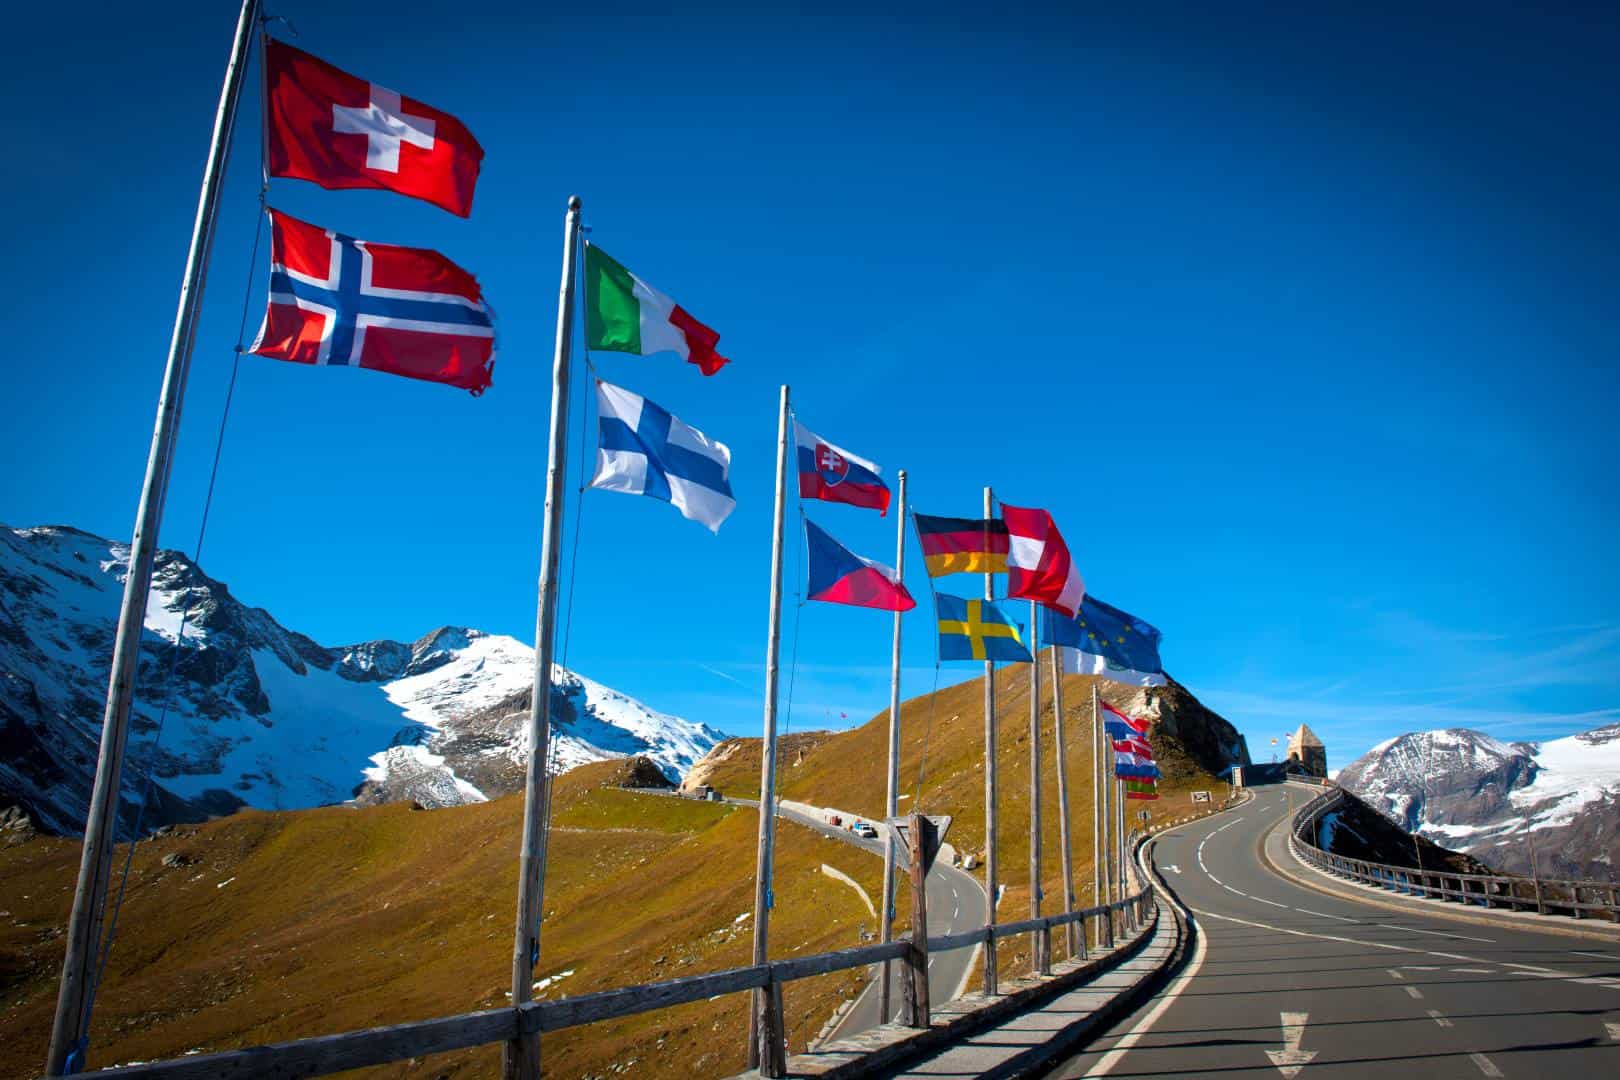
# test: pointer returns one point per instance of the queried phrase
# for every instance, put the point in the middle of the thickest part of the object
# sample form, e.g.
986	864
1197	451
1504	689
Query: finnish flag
643	450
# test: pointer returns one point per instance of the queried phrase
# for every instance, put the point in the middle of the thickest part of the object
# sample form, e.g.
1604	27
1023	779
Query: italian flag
625	314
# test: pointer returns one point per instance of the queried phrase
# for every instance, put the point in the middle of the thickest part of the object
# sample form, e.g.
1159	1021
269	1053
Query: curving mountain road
1286	981
956	902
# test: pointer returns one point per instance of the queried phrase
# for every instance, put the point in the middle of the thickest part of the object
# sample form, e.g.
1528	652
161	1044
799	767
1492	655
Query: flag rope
579	502
793	651
76	1057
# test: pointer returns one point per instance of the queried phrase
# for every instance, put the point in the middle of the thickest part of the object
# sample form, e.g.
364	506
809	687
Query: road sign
1200	796
934	828
1142	815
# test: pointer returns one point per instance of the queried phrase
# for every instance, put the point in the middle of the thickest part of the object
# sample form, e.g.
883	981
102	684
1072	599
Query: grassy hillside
846	769
284	925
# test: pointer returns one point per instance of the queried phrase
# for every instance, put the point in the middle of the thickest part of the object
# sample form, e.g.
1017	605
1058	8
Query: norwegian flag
340	131
344	302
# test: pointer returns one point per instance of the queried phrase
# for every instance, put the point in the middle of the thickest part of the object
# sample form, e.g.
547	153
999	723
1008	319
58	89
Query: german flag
962	545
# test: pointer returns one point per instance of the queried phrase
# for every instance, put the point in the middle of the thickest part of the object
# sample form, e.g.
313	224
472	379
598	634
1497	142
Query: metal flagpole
1043	938
990	878
765	1050
1058	749
521	1057
1097	802
893	802
1105	780
70	1028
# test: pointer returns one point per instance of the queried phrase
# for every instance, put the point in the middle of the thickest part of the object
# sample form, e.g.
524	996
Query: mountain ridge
252	713
1551	807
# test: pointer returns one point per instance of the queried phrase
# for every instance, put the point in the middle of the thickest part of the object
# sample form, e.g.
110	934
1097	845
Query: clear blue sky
1301	323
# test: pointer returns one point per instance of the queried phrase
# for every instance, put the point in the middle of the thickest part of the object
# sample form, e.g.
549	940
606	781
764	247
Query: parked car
864	829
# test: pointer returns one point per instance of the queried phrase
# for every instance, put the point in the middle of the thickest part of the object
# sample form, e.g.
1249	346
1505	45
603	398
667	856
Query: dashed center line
1322	914
1395	974
1440	1018
1436	933
1594	955
1485	1064
1413	992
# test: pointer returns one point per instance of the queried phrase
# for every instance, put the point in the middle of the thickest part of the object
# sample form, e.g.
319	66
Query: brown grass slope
942	740
283	925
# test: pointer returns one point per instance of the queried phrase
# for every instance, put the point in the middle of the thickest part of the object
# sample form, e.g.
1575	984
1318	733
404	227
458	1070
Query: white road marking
1290	1059
1532	967
1436	933
1322	914
1394	973
1413	992
1438	1017
1614	1031
1594	955
1335	937
1263	900
1485	1064
1473	971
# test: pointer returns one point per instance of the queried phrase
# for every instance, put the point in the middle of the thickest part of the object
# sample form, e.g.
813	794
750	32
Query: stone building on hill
1306	754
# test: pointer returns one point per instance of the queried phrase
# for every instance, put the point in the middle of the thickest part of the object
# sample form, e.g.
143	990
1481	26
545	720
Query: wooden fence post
917	1010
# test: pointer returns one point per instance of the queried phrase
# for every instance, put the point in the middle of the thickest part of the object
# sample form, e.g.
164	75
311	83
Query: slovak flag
344	302
839	576
340	131
833	474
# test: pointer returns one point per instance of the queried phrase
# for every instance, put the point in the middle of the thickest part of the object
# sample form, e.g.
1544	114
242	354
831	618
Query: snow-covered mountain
1497	800
259	715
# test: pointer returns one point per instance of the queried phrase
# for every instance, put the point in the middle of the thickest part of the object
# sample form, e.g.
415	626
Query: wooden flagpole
1041	958
990	878
70	1027
765	1047
1075	937
892	804
521	1057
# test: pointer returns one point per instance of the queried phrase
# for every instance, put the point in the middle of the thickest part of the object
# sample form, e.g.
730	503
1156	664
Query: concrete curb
1320	881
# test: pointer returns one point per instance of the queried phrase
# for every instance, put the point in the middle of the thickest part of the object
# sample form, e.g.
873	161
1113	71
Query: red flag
1038	564
344	302
340	131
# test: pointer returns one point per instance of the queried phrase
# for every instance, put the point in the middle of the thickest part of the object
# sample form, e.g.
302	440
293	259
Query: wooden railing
380	1046
1516	893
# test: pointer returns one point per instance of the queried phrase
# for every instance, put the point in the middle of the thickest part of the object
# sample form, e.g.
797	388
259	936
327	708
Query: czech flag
839	576
833	474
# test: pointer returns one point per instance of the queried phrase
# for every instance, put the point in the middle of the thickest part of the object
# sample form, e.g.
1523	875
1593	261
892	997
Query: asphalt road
956	902
1288	981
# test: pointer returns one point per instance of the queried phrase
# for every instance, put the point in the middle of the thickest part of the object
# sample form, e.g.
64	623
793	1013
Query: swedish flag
976	630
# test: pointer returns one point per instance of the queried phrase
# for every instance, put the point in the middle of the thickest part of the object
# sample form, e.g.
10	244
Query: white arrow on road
1290	1059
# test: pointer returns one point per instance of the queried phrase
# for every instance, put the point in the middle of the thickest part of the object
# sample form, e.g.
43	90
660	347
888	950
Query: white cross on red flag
340	131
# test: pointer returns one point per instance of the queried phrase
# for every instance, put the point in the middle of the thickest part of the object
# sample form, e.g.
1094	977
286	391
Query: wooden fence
378	1046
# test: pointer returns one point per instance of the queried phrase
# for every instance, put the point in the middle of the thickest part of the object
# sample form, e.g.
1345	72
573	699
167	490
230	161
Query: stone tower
1306	753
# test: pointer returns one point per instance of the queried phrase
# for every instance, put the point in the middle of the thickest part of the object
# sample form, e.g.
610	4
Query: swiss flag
340	131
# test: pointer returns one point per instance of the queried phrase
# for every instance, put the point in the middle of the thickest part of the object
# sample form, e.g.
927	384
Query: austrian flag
1038	564
340	131
345	302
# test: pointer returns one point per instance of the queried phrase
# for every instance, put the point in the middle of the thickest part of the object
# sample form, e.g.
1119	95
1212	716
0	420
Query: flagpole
70	1027
765	1051
1042	938
990	878
521	1057
1096	804
893	802
1058	750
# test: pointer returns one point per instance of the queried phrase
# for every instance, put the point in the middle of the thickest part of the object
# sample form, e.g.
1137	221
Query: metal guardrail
1544	896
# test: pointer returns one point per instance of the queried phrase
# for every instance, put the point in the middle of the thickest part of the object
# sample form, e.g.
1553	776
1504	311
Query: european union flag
976	630
1103	640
